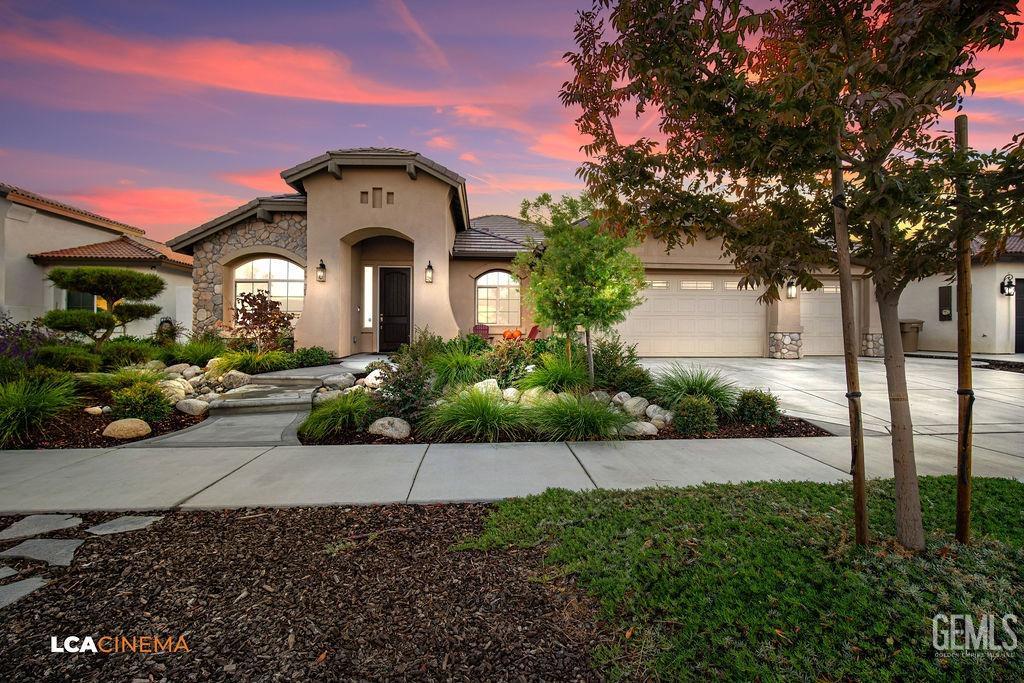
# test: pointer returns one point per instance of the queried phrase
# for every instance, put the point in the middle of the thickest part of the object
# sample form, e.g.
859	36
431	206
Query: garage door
821	315
695	315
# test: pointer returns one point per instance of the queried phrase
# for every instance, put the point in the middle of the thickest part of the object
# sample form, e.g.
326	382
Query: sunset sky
167	113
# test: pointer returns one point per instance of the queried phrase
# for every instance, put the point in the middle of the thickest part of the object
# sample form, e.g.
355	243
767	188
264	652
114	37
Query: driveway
815	388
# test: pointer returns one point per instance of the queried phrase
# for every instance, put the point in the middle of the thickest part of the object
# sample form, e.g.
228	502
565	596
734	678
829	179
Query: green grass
570	418
455	367
254	362
762	582
196	351
348	412
119	379
557	373
475	416
679	381
27	404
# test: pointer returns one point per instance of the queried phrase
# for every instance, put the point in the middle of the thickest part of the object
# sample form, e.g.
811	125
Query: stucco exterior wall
462	292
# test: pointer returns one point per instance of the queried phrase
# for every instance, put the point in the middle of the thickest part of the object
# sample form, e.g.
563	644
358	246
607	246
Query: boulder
172	390
342	381
197	381
535	395
361	382
128	428
620	398
511	395
374	380
177	368
94	410
658	422
233	379
638	429
155	365
636	406
601	397
192	406
210	363
172	375
107	410
322	396
654	410
391	427
192	371
488	386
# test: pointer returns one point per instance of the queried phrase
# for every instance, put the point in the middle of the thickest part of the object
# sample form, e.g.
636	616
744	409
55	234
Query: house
375	242
40	233
997	306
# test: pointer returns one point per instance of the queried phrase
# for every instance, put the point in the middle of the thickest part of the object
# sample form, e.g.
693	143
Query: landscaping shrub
680	381
119	379
556	373
123	351
349	412
70	358
470	344
41	373
27	404
196	351
254	362
167	332
424	346
407	387
311	357
617	367
142	400
11	369
260	320
556	343
507	361
475	415
571	418
695	416
756	407
20	340
454	367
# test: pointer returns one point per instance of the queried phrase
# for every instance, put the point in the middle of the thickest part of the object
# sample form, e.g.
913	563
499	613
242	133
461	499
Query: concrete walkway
194	476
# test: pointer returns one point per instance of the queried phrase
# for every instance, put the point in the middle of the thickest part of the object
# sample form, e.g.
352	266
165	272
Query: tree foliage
259	319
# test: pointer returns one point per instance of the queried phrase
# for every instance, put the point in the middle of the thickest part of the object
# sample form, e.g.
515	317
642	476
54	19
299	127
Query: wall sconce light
321	272
429	273
1007	287
791	289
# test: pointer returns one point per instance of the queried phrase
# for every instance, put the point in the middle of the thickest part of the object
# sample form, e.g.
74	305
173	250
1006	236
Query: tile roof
496	236
124	248
15	193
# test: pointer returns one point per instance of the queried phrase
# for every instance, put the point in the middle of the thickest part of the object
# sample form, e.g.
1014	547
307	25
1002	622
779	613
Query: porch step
264	398
289	381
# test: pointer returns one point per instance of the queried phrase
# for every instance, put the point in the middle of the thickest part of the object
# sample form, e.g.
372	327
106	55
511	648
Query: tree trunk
909	525
590	358
965	382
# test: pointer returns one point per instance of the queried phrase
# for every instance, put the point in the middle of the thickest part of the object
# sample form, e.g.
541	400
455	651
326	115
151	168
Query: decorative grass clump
68	358
26	405
455	367
254	362
475	415
695	416
349	412
197	351
759	408
119	379
140	400
680	381
557	373
570	418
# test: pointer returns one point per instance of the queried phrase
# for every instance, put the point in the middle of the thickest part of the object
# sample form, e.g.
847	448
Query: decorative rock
636	406
33	525
233	379
197	381
210	363
107	410
391	427
488	386
373	380
535	395
192	371
324	396
601	397
19	589
192	406
6	572
342	381
529	368
620	398
638	429
155	365
177	368
122	524
173	375
94	410
128	428
53	551
654	410
511	395
658	422
361	382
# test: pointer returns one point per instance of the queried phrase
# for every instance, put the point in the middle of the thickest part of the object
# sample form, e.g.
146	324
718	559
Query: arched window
497	299
282	280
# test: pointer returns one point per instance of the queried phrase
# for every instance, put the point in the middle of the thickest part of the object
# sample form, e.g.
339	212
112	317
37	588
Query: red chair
482	331
534	332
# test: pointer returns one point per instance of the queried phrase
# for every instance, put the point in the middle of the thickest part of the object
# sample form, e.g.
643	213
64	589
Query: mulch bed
1004	365
77	429
306	594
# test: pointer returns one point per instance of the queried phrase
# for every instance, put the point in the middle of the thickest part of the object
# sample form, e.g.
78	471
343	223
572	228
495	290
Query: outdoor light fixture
429	275
791	289
1007	286
321	272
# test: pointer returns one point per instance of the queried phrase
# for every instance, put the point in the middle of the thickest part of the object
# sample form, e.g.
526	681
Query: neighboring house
997	315
392	232
40	233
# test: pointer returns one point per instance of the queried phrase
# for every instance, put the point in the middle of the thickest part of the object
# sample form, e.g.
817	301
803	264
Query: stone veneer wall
785	345
285	231
872	345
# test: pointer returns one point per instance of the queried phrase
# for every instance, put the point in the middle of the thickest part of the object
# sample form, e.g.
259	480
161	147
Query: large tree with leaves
765	119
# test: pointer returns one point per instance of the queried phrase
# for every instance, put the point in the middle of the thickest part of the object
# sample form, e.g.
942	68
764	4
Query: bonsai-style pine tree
581	276
125	292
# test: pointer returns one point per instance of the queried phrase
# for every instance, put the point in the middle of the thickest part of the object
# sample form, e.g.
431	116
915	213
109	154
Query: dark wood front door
1019	345
395	318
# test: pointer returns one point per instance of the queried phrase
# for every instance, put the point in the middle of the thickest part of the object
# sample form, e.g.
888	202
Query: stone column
785	328
870	325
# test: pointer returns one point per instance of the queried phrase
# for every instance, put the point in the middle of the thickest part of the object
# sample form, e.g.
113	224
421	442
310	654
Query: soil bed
77	429
1004	365
305	594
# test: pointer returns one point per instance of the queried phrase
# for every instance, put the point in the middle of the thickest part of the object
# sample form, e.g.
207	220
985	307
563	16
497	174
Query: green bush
119	379
69	358
80	321
141	400
556	343
571	418
756	407
11	369
695	416
26	405
41	373
475	415
349	412
407	387
617	367
123	351
470	344
556	373
454	367
254	362
424	346
196	351
311	357
680	381
507	361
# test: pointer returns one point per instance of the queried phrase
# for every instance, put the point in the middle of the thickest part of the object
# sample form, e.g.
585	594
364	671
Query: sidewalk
194	476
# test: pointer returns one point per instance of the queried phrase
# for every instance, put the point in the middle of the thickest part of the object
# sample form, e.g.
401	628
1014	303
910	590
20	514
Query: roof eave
183	242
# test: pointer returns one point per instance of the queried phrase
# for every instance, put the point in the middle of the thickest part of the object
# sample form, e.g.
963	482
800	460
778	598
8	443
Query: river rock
128	428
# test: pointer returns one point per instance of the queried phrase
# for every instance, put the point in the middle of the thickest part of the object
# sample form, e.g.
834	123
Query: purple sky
167	113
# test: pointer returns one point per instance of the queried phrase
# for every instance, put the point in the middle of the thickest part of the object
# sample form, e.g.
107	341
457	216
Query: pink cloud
264	180
429	49
440	142
162	211
465	156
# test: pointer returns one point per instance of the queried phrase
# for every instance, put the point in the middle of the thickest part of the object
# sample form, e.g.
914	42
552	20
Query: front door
395	314
1019	345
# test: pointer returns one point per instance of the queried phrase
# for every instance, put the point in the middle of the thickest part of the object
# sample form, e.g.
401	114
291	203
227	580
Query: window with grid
497	299
282	280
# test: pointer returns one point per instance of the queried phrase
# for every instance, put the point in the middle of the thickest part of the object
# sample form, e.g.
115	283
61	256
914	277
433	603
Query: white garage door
696	315
821	315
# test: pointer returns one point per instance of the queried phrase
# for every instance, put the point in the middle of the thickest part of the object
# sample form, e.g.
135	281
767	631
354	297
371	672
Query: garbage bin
909	330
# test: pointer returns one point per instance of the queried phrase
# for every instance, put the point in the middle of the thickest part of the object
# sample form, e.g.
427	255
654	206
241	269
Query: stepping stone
6	571
122	524
19	589
33	525
53	551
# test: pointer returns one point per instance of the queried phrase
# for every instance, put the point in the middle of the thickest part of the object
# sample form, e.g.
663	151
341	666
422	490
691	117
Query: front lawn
762	581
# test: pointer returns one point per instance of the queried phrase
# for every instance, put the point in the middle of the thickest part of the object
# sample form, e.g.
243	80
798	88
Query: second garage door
696	315
821	316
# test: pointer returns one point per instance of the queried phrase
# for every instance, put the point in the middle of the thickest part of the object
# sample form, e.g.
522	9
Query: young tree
124	291
766	110
581	276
